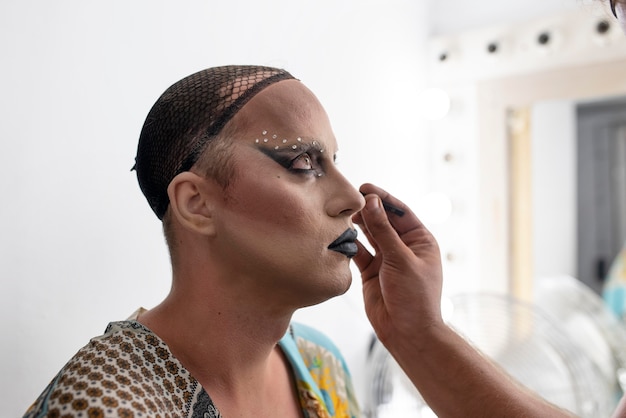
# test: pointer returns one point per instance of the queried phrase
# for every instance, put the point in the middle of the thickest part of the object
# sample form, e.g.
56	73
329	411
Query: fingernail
373	204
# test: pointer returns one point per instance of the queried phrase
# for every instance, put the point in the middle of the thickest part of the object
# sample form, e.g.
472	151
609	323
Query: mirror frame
502	186
580	64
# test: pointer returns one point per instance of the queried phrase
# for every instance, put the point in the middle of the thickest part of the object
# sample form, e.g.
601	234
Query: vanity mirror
537	127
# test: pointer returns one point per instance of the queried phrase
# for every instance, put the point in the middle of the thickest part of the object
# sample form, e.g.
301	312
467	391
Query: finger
409	228
363	258
378	229
403	223
369	188
366	232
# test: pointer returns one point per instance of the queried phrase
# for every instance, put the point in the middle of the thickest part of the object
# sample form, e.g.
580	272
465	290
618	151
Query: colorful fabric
322	376
614	292
130	372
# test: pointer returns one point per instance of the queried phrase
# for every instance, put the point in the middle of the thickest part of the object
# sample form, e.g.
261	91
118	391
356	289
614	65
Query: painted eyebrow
274	145
289	152
285	145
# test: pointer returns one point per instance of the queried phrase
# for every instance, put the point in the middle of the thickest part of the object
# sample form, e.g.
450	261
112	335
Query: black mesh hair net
186	117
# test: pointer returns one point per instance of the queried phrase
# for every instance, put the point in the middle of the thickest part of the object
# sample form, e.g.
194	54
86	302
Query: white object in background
435	208
434	103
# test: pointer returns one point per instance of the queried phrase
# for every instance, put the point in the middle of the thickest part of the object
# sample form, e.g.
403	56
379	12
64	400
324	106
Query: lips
345	244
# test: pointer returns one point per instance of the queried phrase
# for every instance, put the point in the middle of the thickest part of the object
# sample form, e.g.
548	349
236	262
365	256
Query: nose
344	199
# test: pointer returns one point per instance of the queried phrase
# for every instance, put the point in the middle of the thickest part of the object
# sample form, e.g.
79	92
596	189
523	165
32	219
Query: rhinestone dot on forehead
287	142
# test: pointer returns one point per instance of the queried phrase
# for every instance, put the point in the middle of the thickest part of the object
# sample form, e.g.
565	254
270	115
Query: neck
225	341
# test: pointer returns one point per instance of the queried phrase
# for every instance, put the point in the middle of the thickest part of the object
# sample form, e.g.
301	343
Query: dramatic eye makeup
298	155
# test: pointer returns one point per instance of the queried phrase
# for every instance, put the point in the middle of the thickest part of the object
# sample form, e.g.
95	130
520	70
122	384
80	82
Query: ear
192	200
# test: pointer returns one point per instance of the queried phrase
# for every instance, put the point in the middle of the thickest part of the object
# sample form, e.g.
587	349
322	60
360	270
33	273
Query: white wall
79	247
453	16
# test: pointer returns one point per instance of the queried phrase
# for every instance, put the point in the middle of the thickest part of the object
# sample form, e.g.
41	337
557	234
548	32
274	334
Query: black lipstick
345	244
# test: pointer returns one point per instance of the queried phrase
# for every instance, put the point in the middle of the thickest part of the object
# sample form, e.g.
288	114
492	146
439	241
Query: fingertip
363	258
366	188
373	203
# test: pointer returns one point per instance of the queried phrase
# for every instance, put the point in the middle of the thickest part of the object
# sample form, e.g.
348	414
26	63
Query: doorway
601	188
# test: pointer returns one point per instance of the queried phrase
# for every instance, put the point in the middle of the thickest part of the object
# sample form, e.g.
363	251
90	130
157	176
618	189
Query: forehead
286	109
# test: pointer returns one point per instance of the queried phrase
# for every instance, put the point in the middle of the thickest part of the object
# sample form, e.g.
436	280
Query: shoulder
312	335
316	347
126	369
328	377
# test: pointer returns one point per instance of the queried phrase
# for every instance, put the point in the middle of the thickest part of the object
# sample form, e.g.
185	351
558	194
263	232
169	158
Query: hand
402	280
402	290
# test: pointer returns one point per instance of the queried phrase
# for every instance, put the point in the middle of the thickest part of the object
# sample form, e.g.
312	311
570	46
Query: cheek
274	203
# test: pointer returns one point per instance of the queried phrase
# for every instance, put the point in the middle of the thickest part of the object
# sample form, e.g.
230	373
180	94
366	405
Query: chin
337	288
346	280
346	287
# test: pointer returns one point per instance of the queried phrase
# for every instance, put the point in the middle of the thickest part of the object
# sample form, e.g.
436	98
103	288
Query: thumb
378	228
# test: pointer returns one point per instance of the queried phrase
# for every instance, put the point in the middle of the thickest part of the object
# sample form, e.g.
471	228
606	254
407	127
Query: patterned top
130	372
